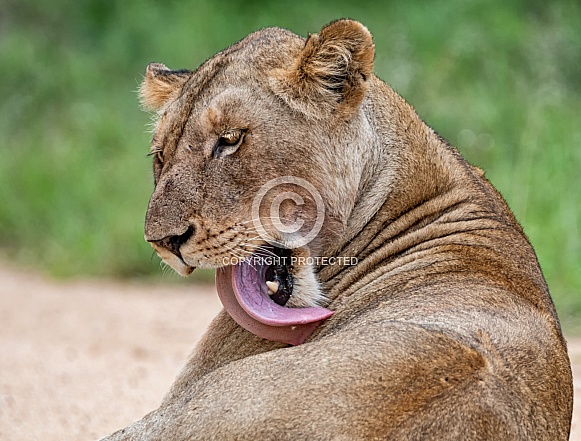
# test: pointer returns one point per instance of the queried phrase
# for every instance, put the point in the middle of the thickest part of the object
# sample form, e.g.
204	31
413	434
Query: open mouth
255	292
278	277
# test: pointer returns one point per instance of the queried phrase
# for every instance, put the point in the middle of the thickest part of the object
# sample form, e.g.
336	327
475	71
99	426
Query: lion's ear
330	73
160	85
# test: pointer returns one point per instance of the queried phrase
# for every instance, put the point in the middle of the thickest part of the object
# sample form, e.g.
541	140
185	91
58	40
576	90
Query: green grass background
501	80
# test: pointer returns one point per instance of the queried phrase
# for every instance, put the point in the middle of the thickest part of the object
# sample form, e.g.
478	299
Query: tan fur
444	329
329	74
160	85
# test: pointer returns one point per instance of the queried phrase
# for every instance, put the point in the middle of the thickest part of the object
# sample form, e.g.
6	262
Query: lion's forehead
229	79
244	62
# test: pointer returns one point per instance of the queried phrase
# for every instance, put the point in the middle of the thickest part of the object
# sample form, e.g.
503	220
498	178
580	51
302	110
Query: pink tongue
244	294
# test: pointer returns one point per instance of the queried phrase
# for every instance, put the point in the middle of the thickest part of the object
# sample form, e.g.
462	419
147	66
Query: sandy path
79	360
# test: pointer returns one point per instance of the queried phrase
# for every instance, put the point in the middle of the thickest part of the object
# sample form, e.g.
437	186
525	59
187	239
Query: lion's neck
416	186
391	242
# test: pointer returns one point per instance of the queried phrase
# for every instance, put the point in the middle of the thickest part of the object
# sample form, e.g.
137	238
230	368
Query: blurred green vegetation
500	80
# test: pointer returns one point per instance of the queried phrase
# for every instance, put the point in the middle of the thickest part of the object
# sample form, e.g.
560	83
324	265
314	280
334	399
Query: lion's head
256	149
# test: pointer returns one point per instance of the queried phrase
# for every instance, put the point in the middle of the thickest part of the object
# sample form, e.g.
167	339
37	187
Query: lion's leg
399	382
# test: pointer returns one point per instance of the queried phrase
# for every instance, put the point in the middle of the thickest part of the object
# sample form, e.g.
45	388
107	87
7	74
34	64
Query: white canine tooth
272	286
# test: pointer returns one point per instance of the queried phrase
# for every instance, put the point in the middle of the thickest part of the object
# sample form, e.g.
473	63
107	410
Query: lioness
417	310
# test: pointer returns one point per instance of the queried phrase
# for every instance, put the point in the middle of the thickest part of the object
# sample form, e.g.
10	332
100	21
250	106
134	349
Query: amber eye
228	143
231	137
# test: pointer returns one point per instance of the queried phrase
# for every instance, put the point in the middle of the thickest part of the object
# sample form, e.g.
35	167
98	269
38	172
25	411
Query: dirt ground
79	360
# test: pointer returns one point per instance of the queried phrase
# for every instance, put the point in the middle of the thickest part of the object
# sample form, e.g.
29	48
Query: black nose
173	243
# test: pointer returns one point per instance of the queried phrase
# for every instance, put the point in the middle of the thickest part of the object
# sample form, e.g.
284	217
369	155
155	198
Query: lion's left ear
160	85
330	73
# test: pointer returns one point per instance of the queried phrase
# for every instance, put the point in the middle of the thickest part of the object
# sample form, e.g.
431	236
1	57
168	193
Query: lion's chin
184	270
177	264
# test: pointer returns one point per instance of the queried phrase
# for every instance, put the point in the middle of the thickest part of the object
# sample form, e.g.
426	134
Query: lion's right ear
161	85
329	75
